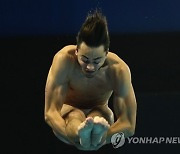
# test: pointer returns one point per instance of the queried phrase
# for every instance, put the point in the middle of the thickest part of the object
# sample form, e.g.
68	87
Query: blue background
54	17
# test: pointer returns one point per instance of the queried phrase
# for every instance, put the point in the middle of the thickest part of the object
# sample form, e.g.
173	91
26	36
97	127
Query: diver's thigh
69	113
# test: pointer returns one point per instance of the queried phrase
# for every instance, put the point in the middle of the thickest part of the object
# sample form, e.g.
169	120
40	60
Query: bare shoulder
120	74
116	64
66	52
64	56
63	62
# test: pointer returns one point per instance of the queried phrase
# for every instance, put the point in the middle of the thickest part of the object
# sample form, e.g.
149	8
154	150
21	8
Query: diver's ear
107	51
76	51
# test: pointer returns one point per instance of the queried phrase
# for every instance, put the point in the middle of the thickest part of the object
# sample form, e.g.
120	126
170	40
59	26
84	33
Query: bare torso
86	92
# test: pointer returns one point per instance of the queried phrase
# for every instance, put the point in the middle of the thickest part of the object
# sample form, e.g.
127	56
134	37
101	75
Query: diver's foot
84	132
99	129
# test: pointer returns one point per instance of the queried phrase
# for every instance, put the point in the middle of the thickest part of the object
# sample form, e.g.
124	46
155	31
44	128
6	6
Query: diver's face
90	58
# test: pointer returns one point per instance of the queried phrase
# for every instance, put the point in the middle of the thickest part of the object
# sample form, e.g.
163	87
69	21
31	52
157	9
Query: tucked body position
80	82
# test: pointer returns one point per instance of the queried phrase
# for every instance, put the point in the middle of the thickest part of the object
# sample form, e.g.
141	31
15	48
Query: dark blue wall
54	17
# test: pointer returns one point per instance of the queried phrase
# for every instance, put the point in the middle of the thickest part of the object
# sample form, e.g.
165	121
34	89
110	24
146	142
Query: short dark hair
94	31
